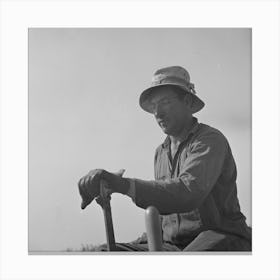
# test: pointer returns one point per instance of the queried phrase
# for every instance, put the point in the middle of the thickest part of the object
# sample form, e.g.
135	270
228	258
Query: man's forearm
167	196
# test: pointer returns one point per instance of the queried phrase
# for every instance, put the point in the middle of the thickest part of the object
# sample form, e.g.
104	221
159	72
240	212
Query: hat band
176	81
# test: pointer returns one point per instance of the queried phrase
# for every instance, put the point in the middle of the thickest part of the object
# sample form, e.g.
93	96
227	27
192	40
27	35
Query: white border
17	16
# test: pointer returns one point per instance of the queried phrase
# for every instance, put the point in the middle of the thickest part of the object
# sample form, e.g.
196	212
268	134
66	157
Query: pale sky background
84	86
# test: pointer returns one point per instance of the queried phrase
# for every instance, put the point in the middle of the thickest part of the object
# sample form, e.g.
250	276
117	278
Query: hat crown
171	74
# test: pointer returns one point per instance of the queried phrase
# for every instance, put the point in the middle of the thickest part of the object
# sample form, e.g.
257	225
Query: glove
89	185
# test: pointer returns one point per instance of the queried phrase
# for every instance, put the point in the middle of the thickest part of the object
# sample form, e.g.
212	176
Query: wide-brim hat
171	76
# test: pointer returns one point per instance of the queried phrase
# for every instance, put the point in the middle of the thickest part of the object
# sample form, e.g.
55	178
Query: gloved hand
89	185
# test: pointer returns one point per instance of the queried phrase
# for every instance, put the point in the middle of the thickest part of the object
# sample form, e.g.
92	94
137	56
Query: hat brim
144	100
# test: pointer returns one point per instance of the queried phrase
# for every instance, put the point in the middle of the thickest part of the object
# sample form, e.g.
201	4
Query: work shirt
196	189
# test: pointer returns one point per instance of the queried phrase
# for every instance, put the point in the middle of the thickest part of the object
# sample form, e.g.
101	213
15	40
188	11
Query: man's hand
89	185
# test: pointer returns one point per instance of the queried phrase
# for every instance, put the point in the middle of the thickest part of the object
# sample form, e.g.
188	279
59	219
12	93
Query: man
195	175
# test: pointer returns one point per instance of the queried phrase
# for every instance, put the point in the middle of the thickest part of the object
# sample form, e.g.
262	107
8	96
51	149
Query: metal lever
104	201
153	228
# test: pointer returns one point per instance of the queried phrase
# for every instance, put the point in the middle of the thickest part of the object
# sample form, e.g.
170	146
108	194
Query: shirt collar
193	129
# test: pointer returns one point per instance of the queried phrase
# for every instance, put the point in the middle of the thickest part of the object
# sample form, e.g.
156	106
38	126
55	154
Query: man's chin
165	130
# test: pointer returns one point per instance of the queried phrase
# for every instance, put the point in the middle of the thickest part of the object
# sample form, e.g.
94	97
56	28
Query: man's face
170	111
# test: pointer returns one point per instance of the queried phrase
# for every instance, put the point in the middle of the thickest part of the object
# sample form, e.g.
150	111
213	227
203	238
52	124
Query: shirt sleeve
199	173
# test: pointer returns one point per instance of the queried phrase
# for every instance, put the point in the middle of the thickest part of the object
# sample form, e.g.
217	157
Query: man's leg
215	241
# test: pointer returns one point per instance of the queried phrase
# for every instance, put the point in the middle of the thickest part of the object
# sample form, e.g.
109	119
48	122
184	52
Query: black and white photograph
139	140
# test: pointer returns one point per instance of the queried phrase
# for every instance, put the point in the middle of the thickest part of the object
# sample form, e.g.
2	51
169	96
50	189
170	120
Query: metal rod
106	206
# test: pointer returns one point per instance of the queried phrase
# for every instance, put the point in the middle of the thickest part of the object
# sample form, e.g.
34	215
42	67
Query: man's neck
176	140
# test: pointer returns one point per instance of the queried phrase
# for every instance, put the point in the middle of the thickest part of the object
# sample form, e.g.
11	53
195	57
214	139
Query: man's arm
198	175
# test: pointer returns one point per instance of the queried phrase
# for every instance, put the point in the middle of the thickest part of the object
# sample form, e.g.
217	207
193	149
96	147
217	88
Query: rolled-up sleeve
199	172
